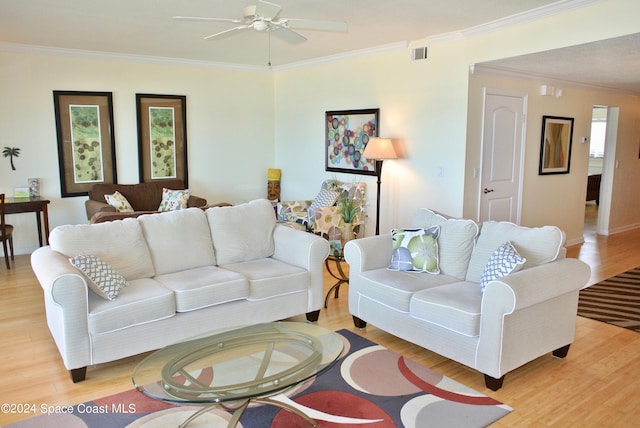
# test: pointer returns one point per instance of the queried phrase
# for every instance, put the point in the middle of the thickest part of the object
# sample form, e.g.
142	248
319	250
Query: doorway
597	142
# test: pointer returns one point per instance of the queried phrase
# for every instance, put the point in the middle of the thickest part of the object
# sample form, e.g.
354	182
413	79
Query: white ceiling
146	28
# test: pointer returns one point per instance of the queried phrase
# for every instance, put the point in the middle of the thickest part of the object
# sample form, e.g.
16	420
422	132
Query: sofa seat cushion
141	302
178	240
269	277
455	307
121	244
205	286
395	288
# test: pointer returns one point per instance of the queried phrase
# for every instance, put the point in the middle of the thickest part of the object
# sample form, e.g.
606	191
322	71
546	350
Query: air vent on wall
419	53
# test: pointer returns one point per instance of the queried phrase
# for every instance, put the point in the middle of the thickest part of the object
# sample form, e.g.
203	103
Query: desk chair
6	231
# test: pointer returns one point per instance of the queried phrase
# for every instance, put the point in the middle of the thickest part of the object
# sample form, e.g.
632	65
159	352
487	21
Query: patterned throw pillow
503	261
119	202
415	250
103	279
174	199
324	198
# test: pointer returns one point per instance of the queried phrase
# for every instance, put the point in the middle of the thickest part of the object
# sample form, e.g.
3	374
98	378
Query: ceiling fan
264	17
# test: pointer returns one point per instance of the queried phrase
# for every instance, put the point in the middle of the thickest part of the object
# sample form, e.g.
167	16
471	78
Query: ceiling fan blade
228	32
203	19
267	10
288	35
310	24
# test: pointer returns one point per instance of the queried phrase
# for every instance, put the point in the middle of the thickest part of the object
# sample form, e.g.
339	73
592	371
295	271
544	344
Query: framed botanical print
162	137
86	142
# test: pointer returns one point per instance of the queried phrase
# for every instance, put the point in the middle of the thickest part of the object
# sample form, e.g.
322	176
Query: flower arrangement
348	207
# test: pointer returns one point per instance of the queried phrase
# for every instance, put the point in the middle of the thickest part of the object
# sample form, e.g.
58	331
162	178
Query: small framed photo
555	145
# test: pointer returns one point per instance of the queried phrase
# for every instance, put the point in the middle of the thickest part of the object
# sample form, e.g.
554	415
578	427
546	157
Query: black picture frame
86	140
162	137
346	135
555	145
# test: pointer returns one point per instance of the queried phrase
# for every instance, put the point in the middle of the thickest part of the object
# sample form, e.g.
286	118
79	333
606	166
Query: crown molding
513	20
498	71
48	50
391	47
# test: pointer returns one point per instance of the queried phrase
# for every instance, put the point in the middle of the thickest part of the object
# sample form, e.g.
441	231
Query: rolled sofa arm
537	284
307	251
66	304
93	207
373	252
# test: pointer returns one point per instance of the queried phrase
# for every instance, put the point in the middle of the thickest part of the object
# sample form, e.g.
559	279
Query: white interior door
502	149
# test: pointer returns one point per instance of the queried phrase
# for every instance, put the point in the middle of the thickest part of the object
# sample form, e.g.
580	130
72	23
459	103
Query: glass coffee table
234	368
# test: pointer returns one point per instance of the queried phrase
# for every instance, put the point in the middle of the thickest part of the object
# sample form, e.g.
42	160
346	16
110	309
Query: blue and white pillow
504	260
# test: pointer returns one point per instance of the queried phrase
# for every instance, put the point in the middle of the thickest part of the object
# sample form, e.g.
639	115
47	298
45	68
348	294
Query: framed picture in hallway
162	137
555	145
86	142
346	135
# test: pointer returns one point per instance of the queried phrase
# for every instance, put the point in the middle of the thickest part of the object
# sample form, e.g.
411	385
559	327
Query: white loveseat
518	317
188	272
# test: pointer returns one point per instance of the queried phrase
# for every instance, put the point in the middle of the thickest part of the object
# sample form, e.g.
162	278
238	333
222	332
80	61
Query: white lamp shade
379	148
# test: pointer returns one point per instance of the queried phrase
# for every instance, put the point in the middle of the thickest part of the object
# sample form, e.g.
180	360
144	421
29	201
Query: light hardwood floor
595	386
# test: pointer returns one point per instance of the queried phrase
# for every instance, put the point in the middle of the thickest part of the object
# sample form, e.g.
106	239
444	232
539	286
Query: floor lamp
379	149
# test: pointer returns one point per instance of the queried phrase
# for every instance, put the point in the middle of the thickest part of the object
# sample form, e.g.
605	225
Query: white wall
230	126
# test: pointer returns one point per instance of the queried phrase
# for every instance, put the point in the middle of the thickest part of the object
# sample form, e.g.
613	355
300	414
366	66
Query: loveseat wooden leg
313	316
358	322
561	352
492	383
78	375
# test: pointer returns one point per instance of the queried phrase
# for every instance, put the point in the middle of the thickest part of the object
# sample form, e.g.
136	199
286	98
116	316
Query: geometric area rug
615	300
370	387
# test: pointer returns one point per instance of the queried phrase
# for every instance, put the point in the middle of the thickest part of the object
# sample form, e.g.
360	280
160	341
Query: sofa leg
492	383
78	375
358	322
313	316
561	352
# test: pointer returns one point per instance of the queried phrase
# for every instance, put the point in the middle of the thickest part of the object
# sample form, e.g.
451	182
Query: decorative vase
347	232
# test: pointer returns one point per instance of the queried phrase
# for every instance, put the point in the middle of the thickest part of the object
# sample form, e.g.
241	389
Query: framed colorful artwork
86	142
162	137
347	133
555	145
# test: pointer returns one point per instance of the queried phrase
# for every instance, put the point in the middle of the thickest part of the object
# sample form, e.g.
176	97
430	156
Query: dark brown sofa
144	198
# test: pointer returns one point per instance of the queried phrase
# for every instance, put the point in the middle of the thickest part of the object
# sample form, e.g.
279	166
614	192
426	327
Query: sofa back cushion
121	244
142	197
178	240
242	232
539	245
455	242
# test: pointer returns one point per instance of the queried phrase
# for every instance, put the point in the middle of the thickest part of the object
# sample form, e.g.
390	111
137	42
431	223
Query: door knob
487	190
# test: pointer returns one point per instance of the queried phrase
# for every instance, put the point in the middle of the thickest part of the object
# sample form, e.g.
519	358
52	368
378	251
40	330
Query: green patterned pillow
103	279
174	199
119	202
415	250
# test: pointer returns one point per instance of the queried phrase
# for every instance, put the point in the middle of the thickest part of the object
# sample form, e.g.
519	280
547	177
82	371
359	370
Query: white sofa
516	319
188	272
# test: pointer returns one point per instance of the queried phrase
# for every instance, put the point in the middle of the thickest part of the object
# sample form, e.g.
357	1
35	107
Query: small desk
26	205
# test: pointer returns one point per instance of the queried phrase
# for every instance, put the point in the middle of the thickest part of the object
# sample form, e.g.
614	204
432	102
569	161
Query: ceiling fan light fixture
260	25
